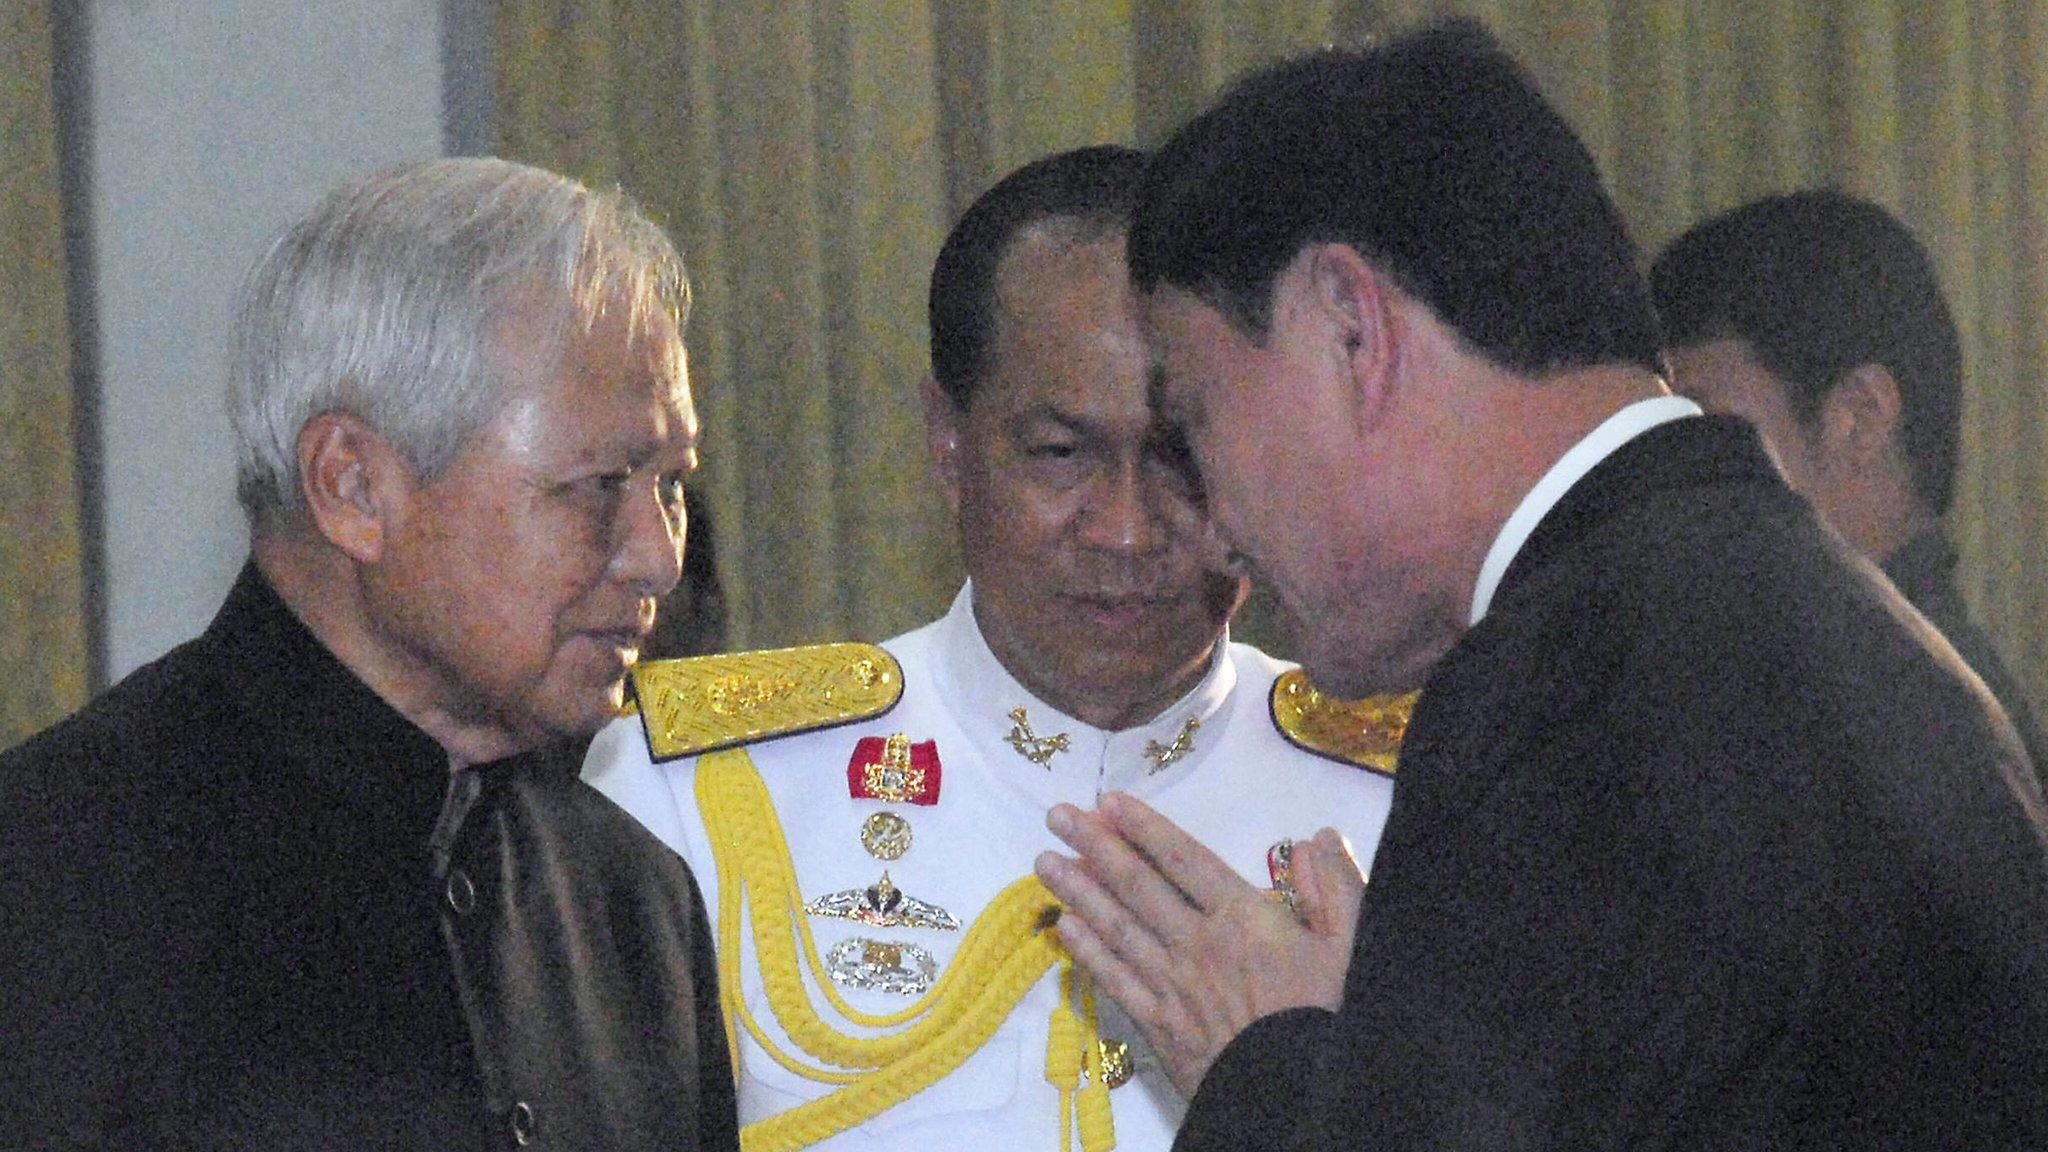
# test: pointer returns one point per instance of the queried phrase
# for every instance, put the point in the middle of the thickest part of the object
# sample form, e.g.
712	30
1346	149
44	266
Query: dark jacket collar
1467	704
1688	453
328	726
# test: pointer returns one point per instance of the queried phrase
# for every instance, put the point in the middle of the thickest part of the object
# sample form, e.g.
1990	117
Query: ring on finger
1286	896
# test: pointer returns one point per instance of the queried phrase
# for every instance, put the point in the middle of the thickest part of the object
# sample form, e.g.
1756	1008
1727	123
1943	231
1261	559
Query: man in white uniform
888	974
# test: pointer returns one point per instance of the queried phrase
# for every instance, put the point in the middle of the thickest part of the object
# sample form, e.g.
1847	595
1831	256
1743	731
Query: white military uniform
1214	762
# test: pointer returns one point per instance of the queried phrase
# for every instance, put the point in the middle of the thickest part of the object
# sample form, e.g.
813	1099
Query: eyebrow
638	450
1046	413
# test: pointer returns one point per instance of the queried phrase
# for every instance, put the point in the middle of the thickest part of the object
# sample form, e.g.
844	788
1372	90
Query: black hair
1436	158
1818	283
1094	186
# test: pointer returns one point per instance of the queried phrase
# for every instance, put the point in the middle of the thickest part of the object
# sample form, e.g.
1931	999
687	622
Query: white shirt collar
982	694
1602	442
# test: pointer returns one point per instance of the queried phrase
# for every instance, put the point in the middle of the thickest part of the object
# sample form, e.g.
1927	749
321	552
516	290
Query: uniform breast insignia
894	770
706	703
1363	732
1033	747
881	966
866	1061
1164	755
883	905
885	835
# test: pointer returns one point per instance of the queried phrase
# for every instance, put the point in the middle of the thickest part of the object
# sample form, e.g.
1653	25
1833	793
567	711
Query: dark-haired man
890	980
1663	871
1817	317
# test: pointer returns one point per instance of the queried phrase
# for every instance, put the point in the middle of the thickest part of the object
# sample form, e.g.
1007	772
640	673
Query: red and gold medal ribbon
894	770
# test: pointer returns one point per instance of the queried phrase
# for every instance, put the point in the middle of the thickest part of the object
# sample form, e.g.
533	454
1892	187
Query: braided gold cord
1073	1065
1005	953
880	1089
748	845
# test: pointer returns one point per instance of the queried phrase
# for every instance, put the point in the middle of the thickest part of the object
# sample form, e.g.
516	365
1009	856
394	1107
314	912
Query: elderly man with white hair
324	876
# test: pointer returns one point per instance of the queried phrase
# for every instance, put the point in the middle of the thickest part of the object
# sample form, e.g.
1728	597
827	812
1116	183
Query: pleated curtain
809	154
44	659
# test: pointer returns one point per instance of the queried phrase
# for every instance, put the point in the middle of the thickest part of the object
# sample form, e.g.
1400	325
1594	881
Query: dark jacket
1665	871
223	925
1924	571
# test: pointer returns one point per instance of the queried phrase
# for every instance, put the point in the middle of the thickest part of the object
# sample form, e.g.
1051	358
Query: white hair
382	302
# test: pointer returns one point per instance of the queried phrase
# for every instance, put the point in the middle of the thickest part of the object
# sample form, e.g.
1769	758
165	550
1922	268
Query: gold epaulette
1363	732
704	703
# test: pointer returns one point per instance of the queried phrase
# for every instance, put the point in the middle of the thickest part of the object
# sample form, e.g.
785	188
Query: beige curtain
809	154
43	653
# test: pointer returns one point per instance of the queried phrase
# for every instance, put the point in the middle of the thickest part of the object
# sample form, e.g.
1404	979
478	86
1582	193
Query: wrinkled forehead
657	339
536	334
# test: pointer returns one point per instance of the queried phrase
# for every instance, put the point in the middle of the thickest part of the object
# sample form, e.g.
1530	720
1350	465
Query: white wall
214	123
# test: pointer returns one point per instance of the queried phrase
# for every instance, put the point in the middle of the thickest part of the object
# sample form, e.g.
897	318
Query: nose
648	547
1127	513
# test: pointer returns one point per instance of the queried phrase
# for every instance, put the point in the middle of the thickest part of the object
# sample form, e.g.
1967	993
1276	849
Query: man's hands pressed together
1192	952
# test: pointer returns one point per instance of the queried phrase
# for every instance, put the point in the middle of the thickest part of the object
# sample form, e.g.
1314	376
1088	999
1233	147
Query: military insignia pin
885	835
882	966
883	905
894	770
1033	747
1162	755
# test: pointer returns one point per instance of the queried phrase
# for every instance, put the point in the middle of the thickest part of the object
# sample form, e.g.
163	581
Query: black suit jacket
224	923
1665	871
1924	571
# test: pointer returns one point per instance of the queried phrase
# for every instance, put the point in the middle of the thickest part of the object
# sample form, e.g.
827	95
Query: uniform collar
983	694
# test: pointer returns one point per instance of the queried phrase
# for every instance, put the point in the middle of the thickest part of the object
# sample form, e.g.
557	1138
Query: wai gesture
1192	951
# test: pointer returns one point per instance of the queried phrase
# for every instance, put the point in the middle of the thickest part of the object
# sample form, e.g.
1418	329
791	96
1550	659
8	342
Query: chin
1347	677
581	714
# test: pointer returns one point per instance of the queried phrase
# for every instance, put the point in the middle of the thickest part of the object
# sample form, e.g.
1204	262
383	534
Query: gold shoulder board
705	703
1363	732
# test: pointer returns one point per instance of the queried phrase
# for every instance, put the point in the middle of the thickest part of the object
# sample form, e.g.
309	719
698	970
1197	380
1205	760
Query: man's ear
1859	419
942	432
354	483
1357	303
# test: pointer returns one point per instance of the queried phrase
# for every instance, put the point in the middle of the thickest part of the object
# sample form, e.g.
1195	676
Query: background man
1664	871
692	618
1818	318
1087	651
324	876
